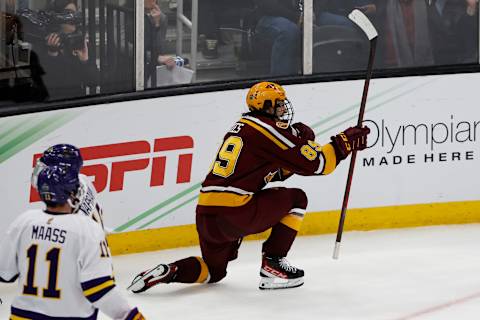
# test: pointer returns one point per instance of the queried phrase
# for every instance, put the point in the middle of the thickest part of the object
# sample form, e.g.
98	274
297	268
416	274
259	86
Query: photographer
68	70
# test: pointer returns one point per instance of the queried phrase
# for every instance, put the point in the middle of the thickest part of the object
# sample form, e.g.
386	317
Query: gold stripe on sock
292	221
203	271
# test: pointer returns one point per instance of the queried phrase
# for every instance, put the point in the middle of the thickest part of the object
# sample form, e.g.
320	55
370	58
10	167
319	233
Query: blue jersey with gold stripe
256	150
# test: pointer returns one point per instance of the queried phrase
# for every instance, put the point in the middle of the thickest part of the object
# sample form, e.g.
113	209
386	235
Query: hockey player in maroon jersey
260	147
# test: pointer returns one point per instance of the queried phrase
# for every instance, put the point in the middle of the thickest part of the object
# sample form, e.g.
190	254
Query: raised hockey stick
363	23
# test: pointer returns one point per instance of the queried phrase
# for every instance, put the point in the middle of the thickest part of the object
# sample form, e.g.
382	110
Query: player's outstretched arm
294	148
341	145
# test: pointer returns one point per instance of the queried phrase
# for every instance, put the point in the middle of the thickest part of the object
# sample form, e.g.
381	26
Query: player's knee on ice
217	274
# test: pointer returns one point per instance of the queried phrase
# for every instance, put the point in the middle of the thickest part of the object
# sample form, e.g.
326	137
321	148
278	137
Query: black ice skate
277	273
162	273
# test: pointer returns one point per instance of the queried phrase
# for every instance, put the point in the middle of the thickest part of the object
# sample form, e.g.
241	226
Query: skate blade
138	284
279	283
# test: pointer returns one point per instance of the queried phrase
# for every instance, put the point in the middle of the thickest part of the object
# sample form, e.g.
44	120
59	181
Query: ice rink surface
419	273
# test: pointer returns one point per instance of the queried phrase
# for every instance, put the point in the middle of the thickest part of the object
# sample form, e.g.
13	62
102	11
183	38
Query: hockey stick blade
361	20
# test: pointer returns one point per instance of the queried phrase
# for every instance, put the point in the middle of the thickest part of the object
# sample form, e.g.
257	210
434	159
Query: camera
37	25
72	41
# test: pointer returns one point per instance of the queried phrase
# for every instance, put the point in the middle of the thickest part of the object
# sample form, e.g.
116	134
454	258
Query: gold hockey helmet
262	92
265	94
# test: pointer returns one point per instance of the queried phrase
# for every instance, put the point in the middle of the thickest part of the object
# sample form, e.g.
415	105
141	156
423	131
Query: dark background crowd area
66	49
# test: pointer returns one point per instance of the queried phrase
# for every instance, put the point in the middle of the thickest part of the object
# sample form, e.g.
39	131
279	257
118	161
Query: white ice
420	273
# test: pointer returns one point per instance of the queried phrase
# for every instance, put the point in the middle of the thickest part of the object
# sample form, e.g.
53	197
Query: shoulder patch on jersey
281	125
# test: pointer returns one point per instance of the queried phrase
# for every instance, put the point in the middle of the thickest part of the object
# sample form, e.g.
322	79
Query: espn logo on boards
115	170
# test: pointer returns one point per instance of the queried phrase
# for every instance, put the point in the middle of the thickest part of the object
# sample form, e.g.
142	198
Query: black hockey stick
363	23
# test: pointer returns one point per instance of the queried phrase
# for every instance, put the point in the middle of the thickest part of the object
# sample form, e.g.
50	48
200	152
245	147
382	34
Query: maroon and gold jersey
256	150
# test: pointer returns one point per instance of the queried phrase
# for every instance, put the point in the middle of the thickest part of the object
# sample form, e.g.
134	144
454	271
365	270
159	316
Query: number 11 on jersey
53	258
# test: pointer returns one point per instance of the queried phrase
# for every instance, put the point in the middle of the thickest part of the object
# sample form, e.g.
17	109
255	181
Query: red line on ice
440	307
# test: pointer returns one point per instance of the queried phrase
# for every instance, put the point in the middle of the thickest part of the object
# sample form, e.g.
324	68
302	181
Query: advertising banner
147	158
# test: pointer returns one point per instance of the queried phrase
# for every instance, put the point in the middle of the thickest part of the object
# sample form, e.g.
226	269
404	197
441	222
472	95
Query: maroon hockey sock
280	240
189	270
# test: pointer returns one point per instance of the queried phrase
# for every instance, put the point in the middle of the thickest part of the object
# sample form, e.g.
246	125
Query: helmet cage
288	114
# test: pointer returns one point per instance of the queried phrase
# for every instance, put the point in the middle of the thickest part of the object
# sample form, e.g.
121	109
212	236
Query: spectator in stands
454	25
156	24
466	31
65	57
406	40
155	31
279	22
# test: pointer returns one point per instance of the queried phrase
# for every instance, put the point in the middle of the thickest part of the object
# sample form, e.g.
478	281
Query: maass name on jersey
48	234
